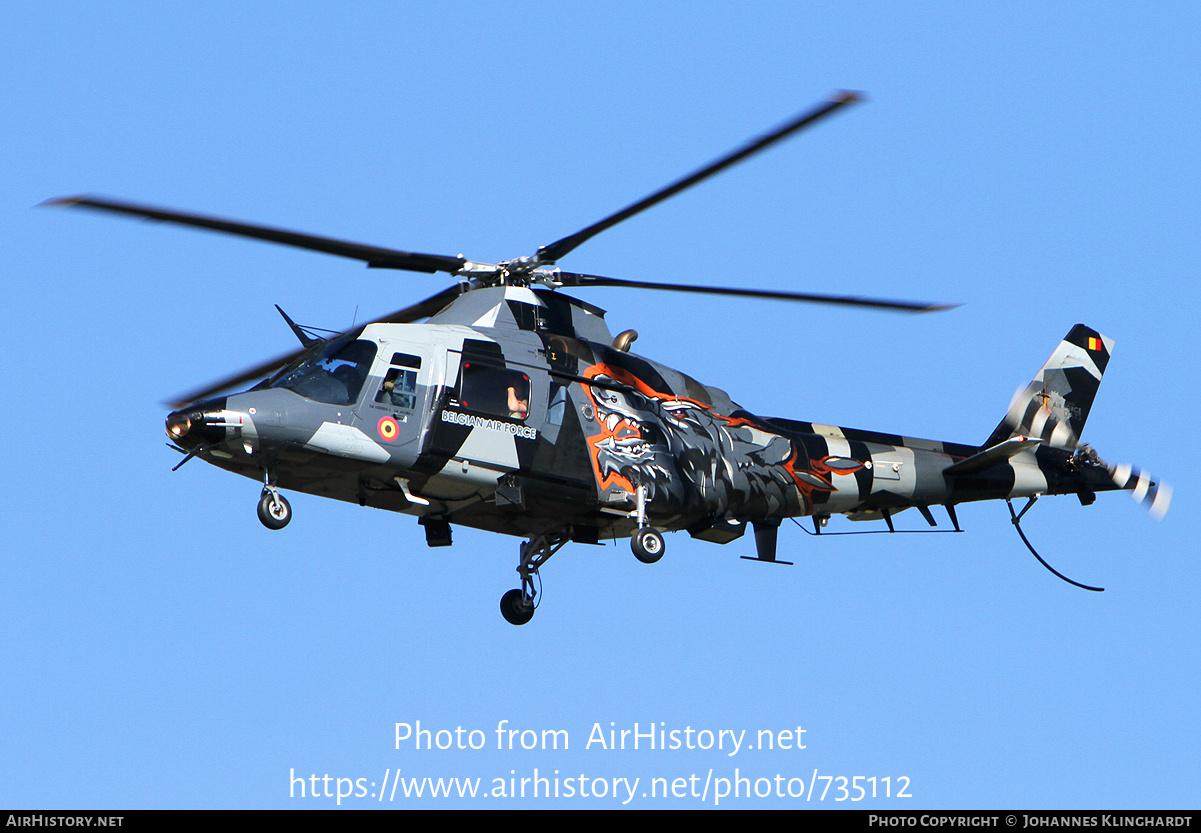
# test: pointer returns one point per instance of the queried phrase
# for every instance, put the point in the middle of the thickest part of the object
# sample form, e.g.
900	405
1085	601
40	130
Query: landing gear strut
517	605
646	543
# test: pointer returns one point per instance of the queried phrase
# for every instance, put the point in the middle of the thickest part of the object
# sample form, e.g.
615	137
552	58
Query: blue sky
1034	162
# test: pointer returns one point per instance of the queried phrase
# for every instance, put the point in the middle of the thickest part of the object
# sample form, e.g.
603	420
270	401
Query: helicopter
512	408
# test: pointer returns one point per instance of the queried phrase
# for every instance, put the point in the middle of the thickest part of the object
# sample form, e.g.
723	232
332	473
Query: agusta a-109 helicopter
514	409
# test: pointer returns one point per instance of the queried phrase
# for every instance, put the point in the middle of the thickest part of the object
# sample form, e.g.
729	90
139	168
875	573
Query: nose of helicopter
200	422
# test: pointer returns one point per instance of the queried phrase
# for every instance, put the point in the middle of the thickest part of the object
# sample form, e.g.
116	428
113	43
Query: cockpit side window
335	375
399	389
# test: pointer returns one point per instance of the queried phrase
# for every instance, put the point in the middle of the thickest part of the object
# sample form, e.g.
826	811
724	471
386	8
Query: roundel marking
388	429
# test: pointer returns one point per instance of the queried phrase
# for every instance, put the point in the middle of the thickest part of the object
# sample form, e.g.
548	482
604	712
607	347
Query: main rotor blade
422	309
556	250
577	279
259	371
375	256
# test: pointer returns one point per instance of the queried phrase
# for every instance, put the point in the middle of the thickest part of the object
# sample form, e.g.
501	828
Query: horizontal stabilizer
989	457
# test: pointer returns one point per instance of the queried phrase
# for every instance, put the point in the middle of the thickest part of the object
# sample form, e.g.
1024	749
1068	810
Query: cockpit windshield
335	375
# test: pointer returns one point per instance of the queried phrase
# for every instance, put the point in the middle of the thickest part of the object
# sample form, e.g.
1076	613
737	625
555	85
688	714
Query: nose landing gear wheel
274	510
515	609
647	545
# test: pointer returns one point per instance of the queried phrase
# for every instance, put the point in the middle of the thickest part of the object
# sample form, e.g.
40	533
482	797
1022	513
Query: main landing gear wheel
647	545
515	609
274	510
517	606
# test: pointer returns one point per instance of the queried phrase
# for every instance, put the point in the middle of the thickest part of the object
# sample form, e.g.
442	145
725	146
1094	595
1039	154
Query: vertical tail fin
1055	405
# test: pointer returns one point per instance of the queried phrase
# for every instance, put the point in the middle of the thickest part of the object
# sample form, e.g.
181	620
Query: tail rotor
1155	496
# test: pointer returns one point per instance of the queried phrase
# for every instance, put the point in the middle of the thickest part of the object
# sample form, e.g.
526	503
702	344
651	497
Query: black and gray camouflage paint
600	422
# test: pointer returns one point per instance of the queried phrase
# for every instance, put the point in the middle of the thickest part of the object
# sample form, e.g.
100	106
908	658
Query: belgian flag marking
388	429
1094	343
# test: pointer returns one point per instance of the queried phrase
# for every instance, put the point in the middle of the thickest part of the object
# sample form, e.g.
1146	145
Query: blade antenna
200	449
306	340
1017	517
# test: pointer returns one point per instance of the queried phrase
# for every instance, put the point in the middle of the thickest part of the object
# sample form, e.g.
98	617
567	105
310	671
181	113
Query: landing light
178	425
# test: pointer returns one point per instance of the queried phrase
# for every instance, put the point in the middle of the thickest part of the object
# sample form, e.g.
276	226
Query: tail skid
1017	524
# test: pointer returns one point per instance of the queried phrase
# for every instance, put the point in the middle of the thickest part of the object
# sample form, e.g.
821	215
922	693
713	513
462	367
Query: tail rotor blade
1154	496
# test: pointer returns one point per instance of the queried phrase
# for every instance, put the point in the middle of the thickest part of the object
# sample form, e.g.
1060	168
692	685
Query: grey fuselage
511	411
